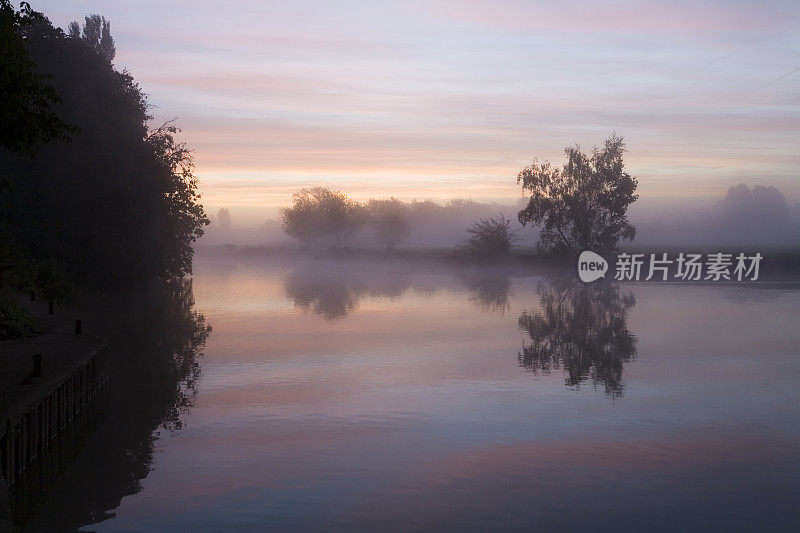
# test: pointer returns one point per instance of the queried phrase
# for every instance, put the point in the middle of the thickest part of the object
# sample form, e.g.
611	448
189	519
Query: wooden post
50	307
37	365
33	296
78	327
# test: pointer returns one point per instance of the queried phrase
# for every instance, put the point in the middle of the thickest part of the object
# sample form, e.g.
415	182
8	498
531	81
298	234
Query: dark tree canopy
97	34
117	205
584	204
28	100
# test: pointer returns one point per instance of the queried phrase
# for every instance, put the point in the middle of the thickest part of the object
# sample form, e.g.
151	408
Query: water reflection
402	415
489	289
582	328
155	341
330	297
334	291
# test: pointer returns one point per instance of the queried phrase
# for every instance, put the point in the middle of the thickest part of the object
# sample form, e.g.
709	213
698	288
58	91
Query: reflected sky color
442	99
412	410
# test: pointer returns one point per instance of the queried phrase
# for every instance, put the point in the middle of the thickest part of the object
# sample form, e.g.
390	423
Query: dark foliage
584	204
118	205
96	33
27	98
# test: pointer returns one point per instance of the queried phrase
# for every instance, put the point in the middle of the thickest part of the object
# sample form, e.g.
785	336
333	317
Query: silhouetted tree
117	205
319	212
491	237
582	328
74	30
343	215
97	34
303	221
179	213
27	98
584	204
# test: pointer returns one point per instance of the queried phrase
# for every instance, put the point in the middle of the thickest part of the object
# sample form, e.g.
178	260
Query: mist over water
374	394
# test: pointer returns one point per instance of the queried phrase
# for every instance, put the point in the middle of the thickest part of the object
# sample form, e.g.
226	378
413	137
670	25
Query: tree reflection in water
489	289
330	296
155	340
334	291
582	328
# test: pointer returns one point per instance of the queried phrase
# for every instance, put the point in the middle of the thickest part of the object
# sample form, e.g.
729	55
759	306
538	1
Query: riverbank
45	382
777	265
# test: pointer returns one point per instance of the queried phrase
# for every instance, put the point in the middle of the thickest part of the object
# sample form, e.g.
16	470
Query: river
382	396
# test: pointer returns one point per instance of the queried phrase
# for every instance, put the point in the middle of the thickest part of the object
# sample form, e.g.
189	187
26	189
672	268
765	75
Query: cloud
431	96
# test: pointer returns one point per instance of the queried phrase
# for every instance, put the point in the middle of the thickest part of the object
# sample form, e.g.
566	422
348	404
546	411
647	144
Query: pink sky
448	100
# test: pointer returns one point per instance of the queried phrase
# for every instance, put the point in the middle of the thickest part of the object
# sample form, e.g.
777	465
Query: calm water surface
361	395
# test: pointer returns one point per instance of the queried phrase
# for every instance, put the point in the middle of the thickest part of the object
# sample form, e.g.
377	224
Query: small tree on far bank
302	221
318	212
342	215
491	237
584	204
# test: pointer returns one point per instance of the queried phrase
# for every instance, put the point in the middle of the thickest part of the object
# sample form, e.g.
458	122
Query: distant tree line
92	196
582	205
320	214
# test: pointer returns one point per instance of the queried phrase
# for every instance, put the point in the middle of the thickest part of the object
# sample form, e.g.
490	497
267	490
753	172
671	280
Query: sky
441	99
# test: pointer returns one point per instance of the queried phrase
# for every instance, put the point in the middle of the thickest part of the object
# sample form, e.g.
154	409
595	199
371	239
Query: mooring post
78	327
50	307
33	296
